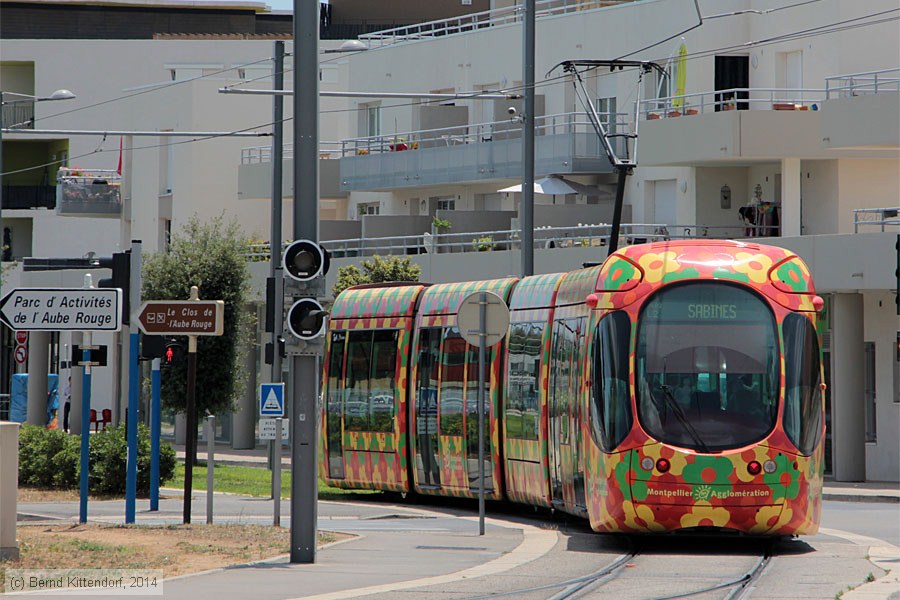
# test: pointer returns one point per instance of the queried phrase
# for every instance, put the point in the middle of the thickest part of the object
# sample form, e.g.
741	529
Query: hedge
51	458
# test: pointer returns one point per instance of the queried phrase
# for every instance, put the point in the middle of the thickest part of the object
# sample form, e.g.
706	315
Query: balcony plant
440	225
483	244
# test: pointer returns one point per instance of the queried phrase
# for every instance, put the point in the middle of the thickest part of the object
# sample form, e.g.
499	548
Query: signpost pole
210	433
85	419
133	384
276	474
155	432
190	450
482	332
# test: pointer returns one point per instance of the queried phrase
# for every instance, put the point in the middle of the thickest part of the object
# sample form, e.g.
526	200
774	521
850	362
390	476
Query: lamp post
57	95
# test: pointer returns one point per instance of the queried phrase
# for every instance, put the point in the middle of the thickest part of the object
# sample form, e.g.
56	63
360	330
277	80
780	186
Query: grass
254	481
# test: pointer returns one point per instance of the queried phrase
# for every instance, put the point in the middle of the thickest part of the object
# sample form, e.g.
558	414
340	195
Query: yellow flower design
640	517
677	461
755	266
656	266
704	515
760	455
771	518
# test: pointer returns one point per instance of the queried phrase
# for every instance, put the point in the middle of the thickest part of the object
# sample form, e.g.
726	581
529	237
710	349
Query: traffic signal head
304	261
173	354
120	263
152	346
306	319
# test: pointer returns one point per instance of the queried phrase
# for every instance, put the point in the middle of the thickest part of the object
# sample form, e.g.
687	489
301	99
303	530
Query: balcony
19	115
25	197
255	172
861	110
88	193
564	144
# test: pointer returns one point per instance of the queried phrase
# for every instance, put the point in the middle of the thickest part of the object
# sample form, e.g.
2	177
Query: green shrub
52	459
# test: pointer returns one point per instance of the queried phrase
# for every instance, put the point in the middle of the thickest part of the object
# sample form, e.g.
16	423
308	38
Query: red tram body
675	387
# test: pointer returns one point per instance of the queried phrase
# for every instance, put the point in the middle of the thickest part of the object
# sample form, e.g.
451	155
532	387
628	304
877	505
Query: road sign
496	318
267	429
182	317
62	309
21	354
21	337
271	400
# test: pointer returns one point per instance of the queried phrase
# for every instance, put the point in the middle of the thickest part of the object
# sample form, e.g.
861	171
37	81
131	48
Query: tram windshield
707	367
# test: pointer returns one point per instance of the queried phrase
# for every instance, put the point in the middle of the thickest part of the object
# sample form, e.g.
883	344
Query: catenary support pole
482	332
155	431
134	384
190	440
305	371
526	208
276	272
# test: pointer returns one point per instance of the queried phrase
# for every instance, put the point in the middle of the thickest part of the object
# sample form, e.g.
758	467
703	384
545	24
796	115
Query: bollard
210	433
9	485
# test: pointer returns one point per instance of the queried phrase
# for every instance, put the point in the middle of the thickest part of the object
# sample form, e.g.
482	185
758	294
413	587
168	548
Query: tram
677	387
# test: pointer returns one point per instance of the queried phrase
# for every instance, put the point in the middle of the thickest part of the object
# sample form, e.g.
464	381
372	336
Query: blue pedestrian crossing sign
271	400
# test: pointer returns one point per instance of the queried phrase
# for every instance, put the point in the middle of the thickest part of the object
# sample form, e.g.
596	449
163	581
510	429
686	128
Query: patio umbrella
680	76
554	185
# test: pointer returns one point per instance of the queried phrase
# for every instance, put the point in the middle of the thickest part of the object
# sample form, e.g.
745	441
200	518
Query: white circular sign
496	318
21	354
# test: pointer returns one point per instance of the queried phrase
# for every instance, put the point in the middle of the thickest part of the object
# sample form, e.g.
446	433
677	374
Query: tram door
560	379
472	385
450	410
333	431
428	468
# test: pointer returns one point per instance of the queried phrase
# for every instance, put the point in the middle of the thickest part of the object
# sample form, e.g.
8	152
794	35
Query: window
523	393
802	391
707	368
368	209
563	377
370	381
611	406
373	120
333	408
446	204
453	364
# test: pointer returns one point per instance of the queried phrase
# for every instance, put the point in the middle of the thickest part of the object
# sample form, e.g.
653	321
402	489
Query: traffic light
120	263
152	346
305	264
173	354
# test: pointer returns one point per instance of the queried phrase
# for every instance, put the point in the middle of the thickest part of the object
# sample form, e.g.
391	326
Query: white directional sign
267	429
271	400
63	309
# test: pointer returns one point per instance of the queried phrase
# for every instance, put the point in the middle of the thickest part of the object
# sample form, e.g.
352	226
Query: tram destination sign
62	309
182	317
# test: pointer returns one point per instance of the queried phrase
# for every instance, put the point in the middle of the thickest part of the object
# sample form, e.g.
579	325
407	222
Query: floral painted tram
675	387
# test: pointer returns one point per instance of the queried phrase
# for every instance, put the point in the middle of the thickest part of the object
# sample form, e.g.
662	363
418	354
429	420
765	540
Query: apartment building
772	121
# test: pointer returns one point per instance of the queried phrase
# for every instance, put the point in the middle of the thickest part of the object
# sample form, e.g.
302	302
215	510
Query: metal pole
275	242
526	208
305	371
617	210
209	431
482	325
134	384
155	431
85	427
1	171
190	449
276	475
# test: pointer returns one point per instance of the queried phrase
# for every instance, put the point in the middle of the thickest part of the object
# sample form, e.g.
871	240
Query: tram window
472	393
611	409
563	375
802	393
370	381
523	392
453	364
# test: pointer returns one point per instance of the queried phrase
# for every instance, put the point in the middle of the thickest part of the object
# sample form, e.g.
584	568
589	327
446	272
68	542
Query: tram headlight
769	466
663	465
647	463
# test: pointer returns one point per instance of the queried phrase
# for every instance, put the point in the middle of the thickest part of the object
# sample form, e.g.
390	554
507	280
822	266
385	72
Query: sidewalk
841	491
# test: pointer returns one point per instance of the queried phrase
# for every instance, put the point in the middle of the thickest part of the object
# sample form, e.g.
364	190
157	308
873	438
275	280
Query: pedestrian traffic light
173	354
152	346
120	263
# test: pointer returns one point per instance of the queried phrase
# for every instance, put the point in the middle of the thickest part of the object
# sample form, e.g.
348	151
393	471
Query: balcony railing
559	124
876	217
18	114
858	84
24	197
255	155
479	20
88	193
731	99
580	236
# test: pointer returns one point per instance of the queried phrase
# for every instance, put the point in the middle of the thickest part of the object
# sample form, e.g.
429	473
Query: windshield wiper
679	414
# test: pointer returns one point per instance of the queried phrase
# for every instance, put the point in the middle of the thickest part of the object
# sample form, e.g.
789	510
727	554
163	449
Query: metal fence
881	218
858	84
731	99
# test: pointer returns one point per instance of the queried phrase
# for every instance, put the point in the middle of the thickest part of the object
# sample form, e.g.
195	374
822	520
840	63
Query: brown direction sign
182	317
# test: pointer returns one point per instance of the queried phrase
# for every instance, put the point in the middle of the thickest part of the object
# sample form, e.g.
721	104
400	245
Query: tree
213	257
378	269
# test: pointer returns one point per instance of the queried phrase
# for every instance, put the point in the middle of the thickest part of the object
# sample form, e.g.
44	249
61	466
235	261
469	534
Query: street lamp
57	95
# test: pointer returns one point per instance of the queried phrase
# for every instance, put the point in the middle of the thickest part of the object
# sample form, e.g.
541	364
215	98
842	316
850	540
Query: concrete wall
881	327
340	230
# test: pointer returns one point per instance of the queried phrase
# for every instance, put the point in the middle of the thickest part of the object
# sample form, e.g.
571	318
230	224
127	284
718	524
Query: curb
838	497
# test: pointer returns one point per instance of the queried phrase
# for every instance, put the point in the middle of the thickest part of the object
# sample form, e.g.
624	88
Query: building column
75	391
243	430
38	357
848	421
790	197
